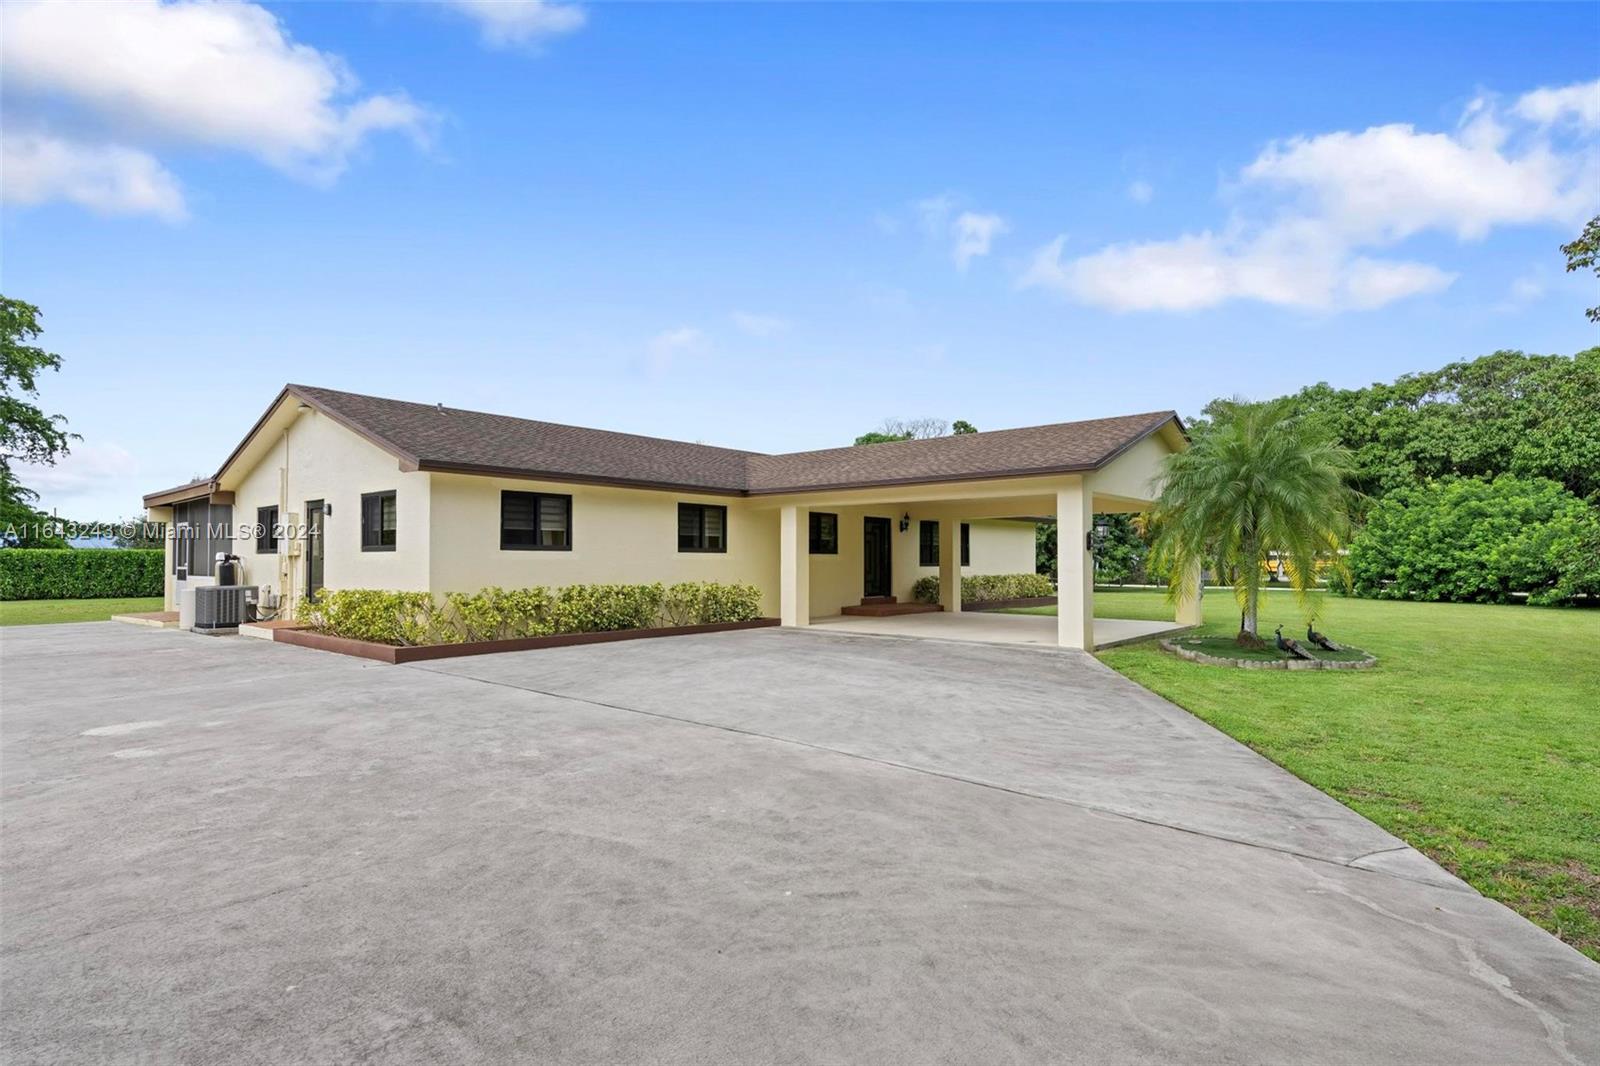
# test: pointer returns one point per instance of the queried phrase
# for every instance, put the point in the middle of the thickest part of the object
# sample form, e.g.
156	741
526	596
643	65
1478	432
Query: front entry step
870	601
882	610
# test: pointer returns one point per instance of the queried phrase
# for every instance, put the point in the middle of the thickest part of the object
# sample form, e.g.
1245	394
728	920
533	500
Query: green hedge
79	573
981	588
1476	541
411	618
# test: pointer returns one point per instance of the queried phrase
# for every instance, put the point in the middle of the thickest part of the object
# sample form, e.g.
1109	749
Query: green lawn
1476	739
39	612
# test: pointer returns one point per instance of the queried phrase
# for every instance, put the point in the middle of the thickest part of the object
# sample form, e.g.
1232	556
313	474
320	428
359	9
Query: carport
1068	473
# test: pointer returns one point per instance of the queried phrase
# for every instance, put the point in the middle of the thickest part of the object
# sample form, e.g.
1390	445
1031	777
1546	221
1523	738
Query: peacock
1290	645
1319	640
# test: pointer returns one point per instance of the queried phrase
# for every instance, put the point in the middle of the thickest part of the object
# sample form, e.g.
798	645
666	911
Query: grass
1475	738
43	612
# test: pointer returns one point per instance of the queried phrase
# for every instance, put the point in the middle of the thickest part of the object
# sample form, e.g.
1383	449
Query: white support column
1190	611
794	566
950	564
1074	566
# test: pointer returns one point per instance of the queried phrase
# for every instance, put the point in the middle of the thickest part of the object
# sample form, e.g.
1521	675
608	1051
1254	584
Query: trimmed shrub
703	603
79	573
377	615
982	588
409	618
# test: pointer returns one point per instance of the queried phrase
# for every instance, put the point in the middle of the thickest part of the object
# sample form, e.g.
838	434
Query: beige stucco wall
997	547
327	462
618	535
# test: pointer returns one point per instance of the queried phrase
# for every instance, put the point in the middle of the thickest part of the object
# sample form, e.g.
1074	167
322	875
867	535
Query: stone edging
389	653
1269	664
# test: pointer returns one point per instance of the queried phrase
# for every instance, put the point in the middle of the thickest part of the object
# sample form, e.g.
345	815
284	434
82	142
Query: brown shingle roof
1058	448
432	437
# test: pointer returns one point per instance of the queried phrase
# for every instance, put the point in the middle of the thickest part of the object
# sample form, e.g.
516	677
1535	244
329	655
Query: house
340	490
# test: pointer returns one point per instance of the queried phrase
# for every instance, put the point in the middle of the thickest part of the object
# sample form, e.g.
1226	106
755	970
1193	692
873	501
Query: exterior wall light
905	521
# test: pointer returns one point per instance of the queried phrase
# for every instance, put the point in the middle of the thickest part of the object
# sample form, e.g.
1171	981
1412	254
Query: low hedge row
417	618
79	573
979	588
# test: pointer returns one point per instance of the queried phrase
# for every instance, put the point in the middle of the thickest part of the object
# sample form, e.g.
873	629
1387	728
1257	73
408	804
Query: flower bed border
1194	656
396	655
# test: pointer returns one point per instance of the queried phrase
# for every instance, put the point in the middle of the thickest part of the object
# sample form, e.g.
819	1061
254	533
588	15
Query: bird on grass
1290	645
1319	640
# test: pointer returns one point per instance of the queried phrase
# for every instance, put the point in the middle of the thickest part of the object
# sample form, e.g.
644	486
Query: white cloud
1282	265
971	234
1580	102
505	23
669	346
1389	182
88	470
1141	192
974	233
1322	204
759	325
223	75
109	179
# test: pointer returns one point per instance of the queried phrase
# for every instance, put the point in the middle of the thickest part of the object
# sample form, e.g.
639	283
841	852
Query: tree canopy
27	434
1584	254
1506	413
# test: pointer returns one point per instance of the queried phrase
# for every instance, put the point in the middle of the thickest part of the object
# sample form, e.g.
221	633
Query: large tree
27	434
897	429
1506	413
1260	479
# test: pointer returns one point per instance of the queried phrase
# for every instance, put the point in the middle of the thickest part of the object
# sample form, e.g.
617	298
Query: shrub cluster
412	618
981	588
1476	541
79	573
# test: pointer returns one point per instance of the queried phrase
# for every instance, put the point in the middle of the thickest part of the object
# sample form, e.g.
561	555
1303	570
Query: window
377	521
966	544
702	527
824	533
266	530
535	521
928	537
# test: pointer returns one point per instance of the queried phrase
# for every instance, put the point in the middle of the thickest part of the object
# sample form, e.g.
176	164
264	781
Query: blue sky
772	226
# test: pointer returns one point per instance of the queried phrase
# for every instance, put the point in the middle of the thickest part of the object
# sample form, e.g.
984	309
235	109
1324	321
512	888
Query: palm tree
1257	480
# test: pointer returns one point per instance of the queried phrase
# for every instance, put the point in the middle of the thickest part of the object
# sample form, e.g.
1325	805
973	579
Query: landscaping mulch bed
1222	651
389	653
1003	605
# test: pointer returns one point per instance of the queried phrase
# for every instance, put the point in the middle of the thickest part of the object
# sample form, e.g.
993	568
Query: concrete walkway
992	627
774	845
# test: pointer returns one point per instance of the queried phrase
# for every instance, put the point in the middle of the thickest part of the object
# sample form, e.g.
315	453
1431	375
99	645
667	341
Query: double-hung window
535	521
702	527
824	533
378	521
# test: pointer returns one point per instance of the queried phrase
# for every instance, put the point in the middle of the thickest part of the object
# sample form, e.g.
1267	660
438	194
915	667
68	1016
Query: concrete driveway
766	846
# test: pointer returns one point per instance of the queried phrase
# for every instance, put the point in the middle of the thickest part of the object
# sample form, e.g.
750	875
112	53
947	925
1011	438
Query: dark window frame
378	546
966	544
927	543
819	544
267	530
700	510
537	502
